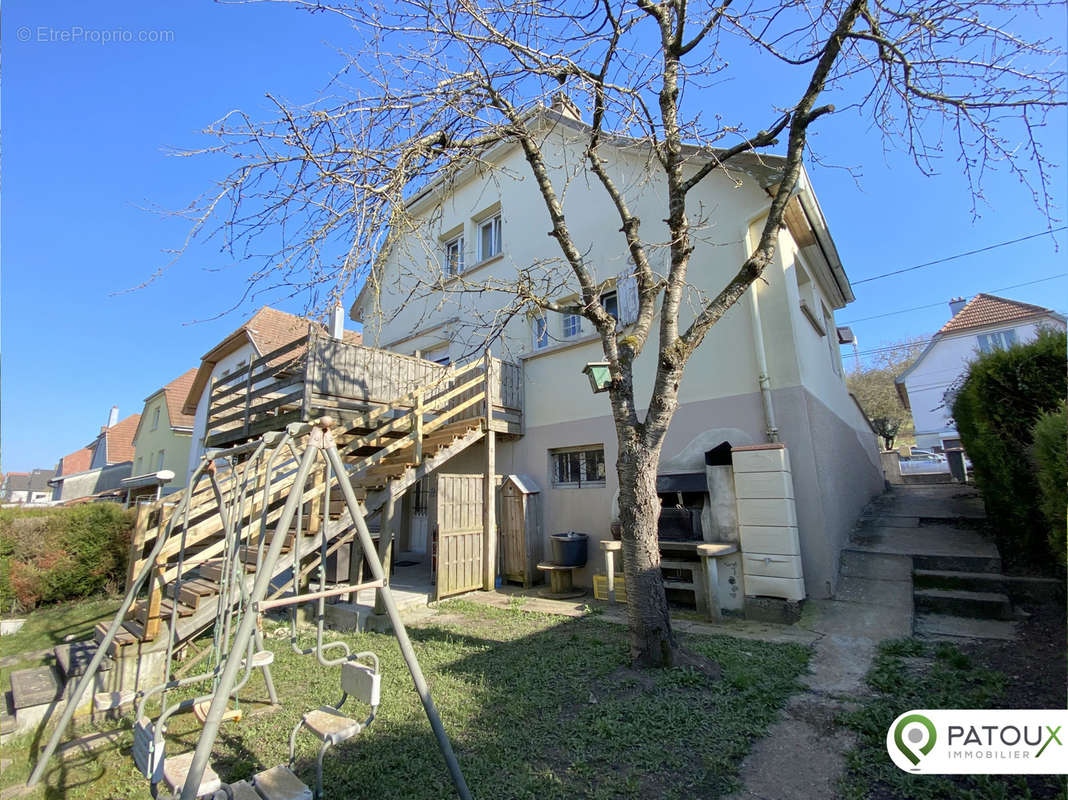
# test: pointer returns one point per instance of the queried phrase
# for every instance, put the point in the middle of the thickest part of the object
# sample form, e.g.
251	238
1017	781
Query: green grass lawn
49	626
907	674
536	706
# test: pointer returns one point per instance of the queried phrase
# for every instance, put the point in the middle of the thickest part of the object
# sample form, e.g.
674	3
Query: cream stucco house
162	440
978	325
770	370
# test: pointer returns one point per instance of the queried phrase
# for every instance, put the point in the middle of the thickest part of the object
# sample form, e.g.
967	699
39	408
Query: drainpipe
771	430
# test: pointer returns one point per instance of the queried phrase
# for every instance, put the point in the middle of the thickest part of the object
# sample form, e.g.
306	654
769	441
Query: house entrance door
459	543
420	505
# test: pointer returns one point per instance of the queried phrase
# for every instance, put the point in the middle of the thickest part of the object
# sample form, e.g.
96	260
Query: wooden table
561	581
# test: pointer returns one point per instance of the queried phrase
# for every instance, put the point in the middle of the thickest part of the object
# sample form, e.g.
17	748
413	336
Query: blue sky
88	125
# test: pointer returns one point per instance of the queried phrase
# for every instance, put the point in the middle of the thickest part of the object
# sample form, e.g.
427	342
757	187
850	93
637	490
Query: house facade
100	467
27	488
769	370
162	440
978	325
266	331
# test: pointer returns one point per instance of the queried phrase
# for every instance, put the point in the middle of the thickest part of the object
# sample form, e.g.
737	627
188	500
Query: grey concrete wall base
378	623
773	609
345	616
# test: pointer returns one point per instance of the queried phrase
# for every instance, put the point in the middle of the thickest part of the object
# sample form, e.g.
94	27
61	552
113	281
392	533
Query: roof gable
984	310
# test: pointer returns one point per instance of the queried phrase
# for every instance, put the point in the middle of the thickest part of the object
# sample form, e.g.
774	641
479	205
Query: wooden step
212	570
193	591
122	639
140	609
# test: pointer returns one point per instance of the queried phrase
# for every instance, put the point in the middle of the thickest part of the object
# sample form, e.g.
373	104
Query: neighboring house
266	331
488	224
162	441
100	467
984	323
28	488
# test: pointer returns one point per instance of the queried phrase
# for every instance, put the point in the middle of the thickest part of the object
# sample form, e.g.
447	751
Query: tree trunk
652	641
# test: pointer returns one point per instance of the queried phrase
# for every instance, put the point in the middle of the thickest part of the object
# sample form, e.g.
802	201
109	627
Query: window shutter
627	297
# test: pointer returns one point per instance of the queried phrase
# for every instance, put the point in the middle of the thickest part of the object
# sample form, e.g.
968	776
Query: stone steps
957	563
952	628
966	581
962	603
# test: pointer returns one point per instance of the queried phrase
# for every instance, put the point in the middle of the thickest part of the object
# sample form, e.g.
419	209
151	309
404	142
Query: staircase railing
458	392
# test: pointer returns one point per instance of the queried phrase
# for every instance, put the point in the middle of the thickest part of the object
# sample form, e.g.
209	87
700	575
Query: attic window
155	418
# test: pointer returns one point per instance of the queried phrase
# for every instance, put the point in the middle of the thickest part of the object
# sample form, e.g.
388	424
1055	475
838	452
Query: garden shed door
459	526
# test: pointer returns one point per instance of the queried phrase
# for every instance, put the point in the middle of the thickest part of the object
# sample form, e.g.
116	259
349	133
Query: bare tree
321	192
875	390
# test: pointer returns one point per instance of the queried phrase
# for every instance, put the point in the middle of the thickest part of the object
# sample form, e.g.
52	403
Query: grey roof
36	481
525	483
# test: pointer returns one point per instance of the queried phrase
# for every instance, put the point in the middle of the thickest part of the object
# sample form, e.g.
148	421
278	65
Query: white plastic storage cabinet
767	519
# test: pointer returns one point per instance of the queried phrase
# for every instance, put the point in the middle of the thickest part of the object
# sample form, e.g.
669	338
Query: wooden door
513	534
459	525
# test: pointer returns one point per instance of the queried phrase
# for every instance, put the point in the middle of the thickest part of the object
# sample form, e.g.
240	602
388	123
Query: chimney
955	305
337	321
113	417
565	106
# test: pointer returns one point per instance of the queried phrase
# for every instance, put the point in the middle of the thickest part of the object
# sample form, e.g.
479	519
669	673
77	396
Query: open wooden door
459	529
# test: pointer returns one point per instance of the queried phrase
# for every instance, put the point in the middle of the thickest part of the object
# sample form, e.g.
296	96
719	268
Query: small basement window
578	467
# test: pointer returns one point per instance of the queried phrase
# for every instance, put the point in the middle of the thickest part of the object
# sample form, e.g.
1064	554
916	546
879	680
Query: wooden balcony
317	375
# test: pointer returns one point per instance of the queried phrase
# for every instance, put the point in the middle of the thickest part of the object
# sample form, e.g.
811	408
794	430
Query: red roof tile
176	391
120	438
78	461
987	309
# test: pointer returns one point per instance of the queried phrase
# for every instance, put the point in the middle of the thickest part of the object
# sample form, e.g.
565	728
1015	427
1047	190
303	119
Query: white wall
940	366
228	363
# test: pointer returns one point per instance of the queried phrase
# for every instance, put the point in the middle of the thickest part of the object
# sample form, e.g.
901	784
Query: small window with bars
578	467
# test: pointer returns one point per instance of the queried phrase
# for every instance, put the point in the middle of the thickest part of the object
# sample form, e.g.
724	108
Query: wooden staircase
386	451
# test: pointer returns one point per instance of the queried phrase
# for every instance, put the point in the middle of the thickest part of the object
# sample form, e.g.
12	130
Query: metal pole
90	671
386	594
248	625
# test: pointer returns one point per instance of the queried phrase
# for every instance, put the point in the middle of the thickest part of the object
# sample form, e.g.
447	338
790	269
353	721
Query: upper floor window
155	418
572	325
578	467
541	332
162	458
999	340
454	256
489	237
610	301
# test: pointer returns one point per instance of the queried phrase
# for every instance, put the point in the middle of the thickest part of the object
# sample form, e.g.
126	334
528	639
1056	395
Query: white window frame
155	418
539	330
496	239
613	297
997	340
582	480
572	326
455	244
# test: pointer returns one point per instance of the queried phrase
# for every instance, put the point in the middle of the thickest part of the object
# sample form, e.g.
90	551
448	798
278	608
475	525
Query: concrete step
947	627
35	686
957	563
949	579
73	658
875	566
961	603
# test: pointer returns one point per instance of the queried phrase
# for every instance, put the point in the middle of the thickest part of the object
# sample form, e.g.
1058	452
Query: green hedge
59	554
1003	395
1050	436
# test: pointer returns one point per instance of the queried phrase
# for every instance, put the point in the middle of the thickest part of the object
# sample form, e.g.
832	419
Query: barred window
578	467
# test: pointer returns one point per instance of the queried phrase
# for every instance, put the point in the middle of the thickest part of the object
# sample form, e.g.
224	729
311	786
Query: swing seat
200	711
330	725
